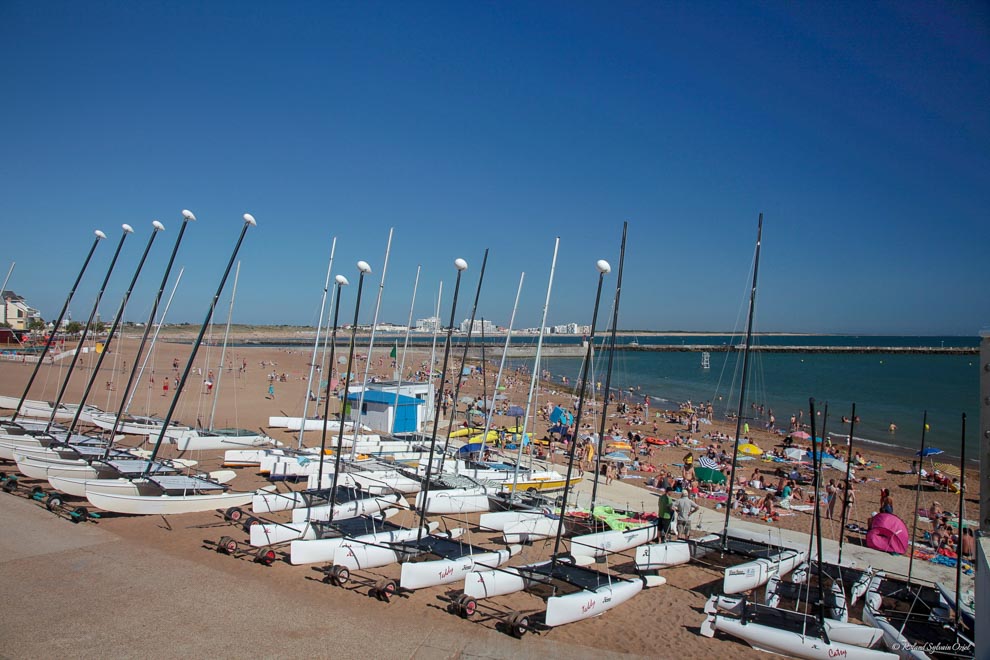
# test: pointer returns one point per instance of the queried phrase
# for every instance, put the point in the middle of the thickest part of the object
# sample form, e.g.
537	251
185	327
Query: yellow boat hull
538	485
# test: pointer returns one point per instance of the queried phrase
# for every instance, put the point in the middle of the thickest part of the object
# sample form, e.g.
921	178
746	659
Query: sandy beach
204	603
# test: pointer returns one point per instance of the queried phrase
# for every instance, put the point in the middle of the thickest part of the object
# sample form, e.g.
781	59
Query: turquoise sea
886	387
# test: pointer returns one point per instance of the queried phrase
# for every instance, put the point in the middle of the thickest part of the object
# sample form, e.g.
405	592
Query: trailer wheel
339	575
384	590
249	522
53	502
518	624
265	557
469	606
234	514
226	545
10	485
80	514
37	492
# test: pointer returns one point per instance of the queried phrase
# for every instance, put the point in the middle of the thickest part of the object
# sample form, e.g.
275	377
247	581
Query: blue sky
860	130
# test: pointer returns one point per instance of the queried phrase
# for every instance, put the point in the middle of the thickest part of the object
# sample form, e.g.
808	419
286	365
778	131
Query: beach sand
194	602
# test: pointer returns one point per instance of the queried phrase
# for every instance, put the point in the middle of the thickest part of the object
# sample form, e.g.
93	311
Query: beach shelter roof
561	416
515	411
888	533
751	449
928	451
947	468
800	435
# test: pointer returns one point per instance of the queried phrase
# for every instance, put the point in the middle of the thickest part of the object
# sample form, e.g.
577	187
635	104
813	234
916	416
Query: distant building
431	324
479	326
17	313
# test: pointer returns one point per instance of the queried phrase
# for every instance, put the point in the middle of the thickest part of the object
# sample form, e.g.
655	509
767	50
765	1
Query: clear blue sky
861	130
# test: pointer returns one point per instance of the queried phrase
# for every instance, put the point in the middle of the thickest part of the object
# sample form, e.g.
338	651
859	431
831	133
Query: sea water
887	388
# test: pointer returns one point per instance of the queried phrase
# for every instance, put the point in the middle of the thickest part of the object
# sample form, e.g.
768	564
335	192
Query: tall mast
917	492
817	467
742	387
501	366
845	492
405	345
58	322
223	350
535	376
82	340
603	268
608	371
461	266
363	269
127	395
371	346
457	380
157	227
339	281
249	221
316	345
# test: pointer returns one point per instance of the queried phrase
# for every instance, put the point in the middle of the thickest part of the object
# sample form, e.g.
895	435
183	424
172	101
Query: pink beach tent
888	533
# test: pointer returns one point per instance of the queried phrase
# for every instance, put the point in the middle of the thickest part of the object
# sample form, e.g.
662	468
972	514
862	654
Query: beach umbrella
708	463
928	451
947	468
466	399
888	533
561	416
800	435
471	448
750	449
709	475
515	411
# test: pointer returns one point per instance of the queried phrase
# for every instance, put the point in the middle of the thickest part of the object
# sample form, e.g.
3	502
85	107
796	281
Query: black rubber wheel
249	522
53	503
517	623
531	490
80	514
234	514
265	557
222	544
385	589
10	485
468	607
339	575
37	492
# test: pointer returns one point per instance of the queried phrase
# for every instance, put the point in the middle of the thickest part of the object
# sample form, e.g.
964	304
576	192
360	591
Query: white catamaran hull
306	551
586	604
775	640
263	534
602	543
144	505
756	573
657	556
358	556
347	509
532	529
422	574
454	501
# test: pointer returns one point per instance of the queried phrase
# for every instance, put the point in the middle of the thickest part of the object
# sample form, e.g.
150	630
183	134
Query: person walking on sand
271	390
684	507
165	387
665	513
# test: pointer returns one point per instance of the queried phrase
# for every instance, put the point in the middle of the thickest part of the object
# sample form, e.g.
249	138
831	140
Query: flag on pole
395	350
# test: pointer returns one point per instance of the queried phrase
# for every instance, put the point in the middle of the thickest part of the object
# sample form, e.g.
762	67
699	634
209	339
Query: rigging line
405	346
223	351
498	377
154	339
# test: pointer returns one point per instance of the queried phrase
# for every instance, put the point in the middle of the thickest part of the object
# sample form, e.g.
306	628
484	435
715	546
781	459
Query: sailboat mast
917	493
223	349
371	345
128	393
82	340
817	468
316	345
608	370
154	340
58	322
467	343
405	344
845	492
962	524
249	221
433	345
157	227
461	266
340	281
742	386
603	268
501	366
534	378
363	269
